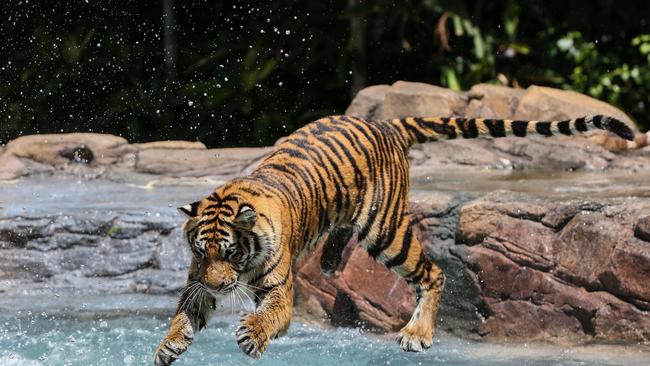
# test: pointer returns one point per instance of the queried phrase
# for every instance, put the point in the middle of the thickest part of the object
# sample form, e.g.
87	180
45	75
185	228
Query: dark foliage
245	73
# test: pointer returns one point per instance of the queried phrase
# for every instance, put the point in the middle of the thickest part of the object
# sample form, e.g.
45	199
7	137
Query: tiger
339	177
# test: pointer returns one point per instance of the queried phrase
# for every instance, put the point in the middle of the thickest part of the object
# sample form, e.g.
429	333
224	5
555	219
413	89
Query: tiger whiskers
241	300
248	297
246	289
249	286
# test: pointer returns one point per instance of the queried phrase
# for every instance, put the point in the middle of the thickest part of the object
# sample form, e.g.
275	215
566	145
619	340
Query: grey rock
366	104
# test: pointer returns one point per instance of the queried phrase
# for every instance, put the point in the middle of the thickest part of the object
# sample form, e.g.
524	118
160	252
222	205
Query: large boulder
60	149
367	102
226	163
543	103
404	99
488	100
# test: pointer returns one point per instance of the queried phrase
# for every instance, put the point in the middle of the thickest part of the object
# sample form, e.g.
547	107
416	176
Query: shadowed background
233	74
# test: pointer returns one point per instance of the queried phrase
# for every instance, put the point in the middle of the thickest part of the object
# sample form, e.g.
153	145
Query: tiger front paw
251	335
167	352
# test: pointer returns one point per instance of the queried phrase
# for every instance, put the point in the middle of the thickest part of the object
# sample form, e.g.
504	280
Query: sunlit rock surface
541	239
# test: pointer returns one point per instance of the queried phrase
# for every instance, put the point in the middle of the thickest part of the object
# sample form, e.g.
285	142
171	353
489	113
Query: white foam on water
13	359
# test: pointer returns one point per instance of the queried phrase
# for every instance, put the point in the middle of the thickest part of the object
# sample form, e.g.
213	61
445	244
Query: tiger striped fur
339	175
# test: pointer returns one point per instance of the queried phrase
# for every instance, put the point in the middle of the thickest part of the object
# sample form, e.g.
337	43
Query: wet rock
81	154
378	298
361	293
577	279
126	253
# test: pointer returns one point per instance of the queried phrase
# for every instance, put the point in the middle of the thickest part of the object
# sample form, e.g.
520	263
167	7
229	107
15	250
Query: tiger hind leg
331	256
406	257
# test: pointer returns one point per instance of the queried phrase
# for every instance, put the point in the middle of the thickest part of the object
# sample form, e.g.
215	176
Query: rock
405	99
351	298
11	167
196	163
543	103
91	254
517	267
367	102
58	149
642	229
560	153
571	276
496	101
171	145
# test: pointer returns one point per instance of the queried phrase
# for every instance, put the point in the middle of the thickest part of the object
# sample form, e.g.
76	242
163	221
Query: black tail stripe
496	127
519	128
419	136
597	121
580	124
445	128
468	126
544	128
442	129
564	128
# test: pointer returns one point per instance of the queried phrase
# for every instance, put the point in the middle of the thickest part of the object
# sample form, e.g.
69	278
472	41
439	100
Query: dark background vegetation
244	73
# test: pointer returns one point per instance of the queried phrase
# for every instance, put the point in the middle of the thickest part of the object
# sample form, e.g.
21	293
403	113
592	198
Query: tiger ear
246	217
191	210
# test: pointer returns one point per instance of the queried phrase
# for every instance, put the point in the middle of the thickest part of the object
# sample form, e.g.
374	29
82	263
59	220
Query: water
87	331
73	329
60	195
565	184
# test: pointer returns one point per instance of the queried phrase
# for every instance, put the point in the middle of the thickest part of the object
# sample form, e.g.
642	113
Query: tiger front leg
178	339
271	319
191	316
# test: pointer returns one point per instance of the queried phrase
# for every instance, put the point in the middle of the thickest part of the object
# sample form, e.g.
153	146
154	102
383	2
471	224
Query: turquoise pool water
34	337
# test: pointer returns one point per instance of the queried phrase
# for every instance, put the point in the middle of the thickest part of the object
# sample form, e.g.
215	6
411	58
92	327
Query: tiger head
228	236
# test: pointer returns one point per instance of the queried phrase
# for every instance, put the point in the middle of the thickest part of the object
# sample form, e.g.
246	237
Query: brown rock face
517	267
574	274
363	292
